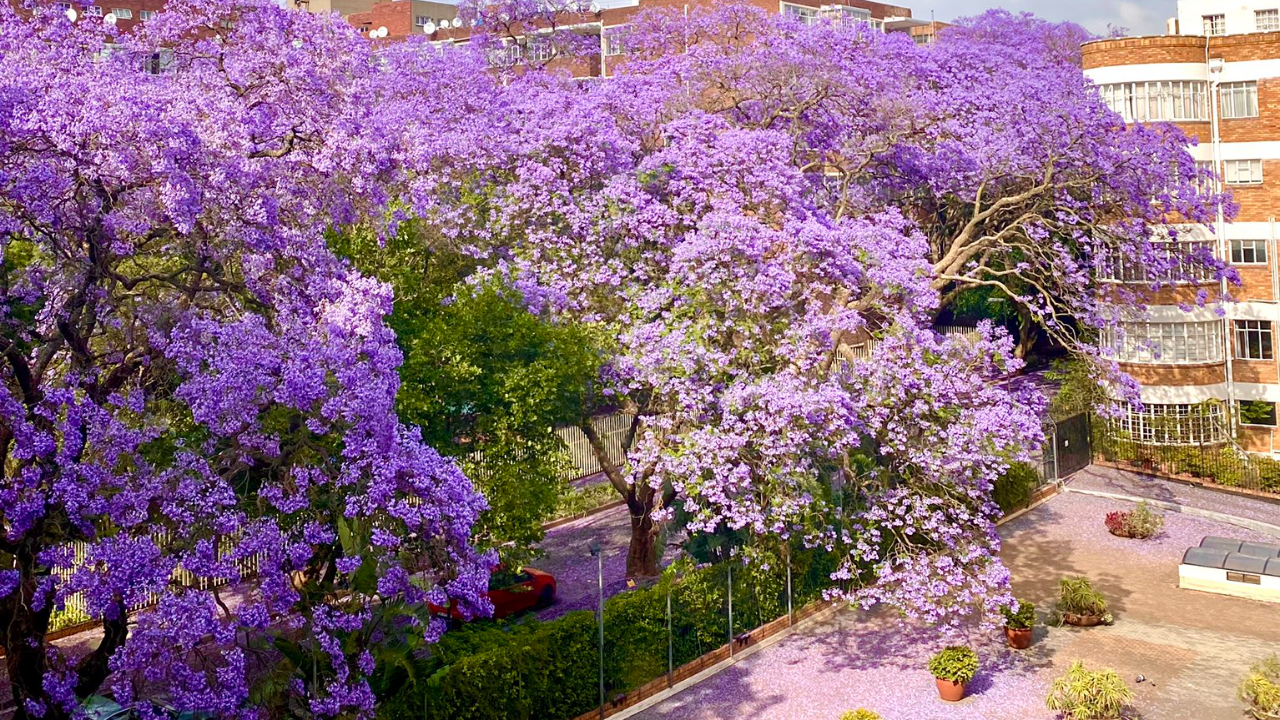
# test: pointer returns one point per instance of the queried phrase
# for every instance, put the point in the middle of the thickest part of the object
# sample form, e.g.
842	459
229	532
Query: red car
514	592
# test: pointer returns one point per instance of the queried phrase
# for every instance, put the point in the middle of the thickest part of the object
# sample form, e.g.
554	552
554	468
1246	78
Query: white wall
1239	15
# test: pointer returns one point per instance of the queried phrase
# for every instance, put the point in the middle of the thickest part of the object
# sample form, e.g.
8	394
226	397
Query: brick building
1207	378
607	20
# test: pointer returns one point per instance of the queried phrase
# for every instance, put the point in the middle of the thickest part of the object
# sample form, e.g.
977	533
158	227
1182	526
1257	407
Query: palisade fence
1222	463
74	613
647	639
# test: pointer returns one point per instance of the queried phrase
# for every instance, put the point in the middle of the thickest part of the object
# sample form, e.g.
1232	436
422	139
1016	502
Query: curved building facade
1216	76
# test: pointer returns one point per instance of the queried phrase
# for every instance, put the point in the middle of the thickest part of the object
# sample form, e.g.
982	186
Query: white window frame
1239	99
1242	172
1214	24
1254	340
615	40
1249	251
122	13
145	15
421	20
1157	100
93	10
1166	343
1185	272
1176	424
1267	20
802	14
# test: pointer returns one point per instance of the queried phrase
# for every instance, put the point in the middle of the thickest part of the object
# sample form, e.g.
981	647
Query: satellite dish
429	28
72	14
457	22
109	18
382	31
595	7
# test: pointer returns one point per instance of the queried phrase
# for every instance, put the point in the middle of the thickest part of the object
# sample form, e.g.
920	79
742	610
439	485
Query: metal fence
1222	464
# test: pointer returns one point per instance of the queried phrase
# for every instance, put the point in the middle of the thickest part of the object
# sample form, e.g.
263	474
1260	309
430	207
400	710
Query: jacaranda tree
195	389
767	219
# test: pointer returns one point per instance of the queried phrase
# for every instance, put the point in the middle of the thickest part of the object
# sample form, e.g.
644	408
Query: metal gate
1069	449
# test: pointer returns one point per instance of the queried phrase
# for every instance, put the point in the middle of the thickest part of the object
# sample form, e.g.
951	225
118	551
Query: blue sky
1141	17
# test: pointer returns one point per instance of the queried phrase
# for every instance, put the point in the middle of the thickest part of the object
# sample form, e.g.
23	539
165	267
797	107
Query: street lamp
596	553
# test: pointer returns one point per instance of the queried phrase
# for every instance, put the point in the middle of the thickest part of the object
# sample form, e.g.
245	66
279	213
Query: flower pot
950	691
1263	715
1081	620
1019	638
1119	532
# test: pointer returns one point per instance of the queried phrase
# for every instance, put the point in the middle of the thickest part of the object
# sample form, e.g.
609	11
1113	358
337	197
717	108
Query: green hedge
549	671
1013	490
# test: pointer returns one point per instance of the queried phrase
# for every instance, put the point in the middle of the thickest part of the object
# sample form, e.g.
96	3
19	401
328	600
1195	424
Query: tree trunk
24	646
642	556
1028	331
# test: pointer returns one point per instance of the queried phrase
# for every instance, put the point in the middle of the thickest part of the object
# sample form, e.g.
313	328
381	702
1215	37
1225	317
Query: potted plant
1140	523
1084	694
953	669
1261	689
1018	624
1080	604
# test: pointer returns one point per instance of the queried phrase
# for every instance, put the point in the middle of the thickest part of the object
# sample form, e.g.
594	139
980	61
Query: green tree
487	380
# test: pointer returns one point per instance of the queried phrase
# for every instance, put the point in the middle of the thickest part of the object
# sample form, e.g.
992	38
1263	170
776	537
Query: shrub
1013	489
1084	694
1079	598
956	663
1021	619
1261	686
860	714
1142	522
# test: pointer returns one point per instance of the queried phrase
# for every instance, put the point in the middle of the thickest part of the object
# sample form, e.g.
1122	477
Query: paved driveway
1192	647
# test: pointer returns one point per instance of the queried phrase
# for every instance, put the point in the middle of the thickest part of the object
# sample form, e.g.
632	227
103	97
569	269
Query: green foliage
1084	694
1021	619
576	501
1013	490
860	714
486	380
1079	597
1081	388
955	663
1143	522
520	670
1261	686
1257	412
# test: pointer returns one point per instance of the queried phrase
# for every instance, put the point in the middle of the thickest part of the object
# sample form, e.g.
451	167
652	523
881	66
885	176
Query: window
421	20
615	40
1166	342
845	15
92	10
122	13
1253	340
1242	172
1175	424
1156	100
1248	252
1180	261
1266	20
1215	24
923	39
146	14
801	14
1257	412
1240	99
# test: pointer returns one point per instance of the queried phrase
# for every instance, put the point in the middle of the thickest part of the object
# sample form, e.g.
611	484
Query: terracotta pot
1019	638
950	691
1081	620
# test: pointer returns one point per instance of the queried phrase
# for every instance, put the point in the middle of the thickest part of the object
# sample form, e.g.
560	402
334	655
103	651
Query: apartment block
608	21
1211	375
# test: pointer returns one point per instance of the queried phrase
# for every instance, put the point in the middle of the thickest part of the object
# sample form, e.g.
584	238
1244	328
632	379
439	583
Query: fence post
671	657
730	566
791	616
1056	474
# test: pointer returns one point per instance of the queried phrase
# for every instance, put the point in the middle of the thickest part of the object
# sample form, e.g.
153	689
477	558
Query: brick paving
1192	647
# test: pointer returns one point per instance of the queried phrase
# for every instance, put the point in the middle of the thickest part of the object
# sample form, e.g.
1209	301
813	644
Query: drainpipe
1224	245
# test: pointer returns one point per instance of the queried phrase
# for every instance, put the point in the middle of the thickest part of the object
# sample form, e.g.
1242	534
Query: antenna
429	28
